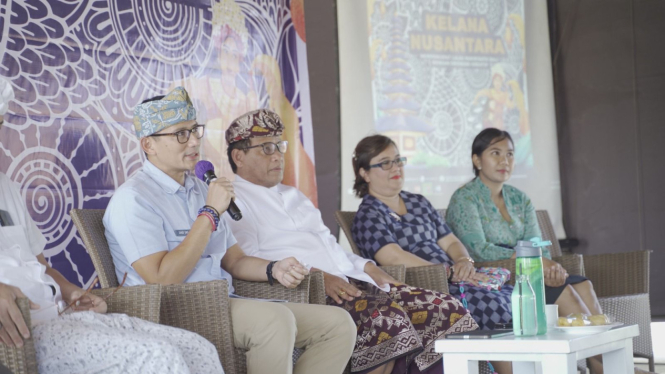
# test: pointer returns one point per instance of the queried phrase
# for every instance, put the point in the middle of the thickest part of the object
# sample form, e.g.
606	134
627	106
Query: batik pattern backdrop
442	70
79	67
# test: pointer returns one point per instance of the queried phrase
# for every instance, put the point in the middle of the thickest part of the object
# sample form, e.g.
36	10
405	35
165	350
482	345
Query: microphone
205	171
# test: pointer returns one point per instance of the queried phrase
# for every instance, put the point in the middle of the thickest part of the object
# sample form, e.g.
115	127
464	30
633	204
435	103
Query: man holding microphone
163	226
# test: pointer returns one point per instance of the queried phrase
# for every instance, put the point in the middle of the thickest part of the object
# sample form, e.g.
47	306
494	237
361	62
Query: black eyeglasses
388	164
183	135
270	148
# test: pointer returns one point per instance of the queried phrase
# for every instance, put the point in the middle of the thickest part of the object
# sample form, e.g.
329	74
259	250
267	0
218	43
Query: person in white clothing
163	226
397	325
83	339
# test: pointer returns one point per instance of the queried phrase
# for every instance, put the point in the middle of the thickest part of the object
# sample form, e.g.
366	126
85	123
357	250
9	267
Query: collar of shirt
486	194
168	184
373	202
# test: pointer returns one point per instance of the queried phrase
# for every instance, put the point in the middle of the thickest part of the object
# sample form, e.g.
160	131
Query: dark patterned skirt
402	325
553	293
486	307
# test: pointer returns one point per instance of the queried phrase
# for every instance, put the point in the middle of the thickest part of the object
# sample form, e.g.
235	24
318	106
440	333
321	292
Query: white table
553	353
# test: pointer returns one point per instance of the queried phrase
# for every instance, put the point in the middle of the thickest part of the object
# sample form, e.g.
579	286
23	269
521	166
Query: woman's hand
463	271
83	301
554	274
338	289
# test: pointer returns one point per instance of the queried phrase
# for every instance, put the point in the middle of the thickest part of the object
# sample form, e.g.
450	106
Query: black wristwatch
271	280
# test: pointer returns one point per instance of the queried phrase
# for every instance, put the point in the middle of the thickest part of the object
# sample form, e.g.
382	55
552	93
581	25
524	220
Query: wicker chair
621	280
199	307
141	301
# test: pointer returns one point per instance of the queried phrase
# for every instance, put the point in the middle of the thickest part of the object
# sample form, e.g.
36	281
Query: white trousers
87	342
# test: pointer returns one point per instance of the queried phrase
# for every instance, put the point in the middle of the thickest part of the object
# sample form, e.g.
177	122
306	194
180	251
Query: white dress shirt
20	243
281	222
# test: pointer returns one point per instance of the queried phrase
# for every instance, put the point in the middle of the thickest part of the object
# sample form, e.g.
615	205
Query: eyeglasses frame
396	161
189	133
262	145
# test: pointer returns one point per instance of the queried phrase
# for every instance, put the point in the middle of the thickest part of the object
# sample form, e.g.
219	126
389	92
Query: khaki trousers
270	330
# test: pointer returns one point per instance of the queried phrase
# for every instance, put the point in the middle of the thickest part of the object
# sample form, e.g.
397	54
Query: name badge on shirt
181	232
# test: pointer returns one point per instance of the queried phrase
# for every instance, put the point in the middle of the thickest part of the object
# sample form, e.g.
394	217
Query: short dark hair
366	150
154	98
484	140
241	144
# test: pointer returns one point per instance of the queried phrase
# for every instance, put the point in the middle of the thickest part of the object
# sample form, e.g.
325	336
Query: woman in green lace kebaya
489	217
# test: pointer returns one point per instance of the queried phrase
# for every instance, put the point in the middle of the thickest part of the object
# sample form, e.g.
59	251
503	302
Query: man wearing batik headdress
163	226
234	93
88	340
397	325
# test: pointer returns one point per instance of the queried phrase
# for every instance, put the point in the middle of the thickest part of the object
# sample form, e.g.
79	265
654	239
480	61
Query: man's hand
339	289
289	272
11	320
220	193
83	302
554	274
380	277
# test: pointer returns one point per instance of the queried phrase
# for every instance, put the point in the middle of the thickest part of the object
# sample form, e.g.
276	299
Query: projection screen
432	74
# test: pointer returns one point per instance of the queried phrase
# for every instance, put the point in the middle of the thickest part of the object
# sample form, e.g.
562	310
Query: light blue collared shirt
151	213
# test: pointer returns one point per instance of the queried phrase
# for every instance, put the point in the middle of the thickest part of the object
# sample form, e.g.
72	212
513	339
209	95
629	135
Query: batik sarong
402	324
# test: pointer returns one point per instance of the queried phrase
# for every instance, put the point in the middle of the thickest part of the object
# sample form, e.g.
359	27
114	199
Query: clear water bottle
529	262
525	322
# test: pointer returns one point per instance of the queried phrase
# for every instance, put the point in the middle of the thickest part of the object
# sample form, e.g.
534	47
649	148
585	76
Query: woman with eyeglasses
396	227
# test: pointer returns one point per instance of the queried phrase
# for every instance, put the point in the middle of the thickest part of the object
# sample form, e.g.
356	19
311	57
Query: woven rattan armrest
20	360
263	290
604	270
573	263
431	277
143	302
396	271
317	288
630	309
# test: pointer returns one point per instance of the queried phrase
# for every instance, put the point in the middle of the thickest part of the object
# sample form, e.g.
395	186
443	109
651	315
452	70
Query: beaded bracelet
213	209
209	216
212	214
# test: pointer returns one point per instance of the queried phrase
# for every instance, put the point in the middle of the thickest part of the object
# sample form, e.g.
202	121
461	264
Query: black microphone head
234	212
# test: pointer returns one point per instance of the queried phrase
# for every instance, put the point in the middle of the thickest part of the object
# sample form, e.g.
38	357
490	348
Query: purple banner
79	67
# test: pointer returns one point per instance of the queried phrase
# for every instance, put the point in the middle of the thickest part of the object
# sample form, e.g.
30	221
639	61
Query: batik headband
157	115
257	123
